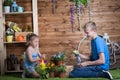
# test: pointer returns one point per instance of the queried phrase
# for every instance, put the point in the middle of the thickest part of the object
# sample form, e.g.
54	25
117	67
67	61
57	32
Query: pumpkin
20	38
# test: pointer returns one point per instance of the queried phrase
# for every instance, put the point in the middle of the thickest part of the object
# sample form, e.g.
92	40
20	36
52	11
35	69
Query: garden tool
16	28
76	52
113	47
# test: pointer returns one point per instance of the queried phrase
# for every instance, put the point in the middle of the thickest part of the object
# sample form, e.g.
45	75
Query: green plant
80	5
58	56
7	2
80	1
51	66
10	31
42	69
61	68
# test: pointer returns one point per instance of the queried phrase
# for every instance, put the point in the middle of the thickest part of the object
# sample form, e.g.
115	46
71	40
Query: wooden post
35	16
0	8
2	47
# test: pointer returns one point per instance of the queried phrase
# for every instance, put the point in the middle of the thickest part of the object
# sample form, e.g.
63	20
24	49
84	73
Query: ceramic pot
6	9
9	38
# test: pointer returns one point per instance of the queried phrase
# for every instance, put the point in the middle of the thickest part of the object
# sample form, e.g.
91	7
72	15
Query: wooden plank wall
55	30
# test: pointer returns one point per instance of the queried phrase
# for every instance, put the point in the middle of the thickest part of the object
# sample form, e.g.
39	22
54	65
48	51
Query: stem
89	8
72	16
78	13
53	6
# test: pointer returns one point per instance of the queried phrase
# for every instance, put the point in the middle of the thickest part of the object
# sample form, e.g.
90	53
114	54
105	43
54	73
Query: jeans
29	70
85	72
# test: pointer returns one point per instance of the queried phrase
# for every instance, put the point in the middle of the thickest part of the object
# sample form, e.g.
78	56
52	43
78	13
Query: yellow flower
52	65
42	65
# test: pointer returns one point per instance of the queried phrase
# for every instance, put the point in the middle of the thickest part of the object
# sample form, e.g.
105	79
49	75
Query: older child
32	55
98	65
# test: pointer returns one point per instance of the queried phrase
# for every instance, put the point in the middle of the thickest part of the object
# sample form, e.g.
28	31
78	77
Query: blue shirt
27	61
98	46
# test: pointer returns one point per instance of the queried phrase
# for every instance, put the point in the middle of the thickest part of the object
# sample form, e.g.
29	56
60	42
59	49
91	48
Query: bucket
6	9
9	38
17	67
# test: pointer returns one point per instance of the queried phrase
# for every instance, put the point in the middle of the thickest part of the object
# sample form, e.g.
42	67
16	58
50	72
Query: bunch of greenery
61	68
84	2
43	70
7	2
10	31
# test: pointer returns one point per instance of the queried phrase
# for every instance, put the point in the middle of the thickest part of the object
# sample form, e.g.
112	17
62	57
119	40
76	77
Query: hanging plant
80	4
72	16
53	5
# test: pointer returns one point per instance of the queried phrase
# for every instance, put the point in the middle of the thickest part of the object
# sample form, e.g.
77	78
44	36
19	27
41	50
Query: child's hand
43	56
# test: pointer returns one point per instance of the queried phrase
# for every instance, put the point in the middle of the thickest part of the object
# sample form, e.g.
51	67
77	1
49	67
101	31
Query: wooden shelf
14	42
13	71
26	12
33	13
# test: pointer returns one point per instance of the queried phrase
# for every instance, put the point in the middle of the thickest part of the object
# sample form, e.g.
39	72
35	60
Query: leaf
72	0
84	2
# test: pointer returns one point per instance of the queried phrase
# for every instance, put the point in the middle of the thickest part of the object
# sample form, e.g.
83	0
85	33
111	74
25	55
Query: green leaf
84	2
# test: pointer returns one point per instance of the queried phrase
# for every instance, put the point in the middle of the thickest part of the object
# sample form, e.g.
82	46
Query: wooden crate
69	68
21	33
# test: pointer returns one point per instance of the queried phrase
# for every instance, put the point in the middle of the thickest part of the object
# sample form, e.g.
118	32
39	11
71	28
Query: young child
32	55
98	64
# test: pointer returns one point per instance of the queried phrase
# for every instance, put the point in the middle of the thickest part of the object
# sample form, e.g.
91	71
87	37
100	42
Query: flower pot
9	38
52	74
59	62
17	67
6	9
62	75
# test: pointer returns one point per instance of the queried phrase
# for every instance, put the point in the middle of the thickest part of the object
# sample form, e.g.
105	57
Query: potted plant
51	67
61	71
9	34
58	59
7	4
42	69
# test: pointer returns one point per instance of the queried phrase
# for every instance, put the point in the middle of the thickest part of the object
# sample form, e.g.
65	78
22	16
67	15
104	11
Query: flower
58	56
51	66
42	69
61	68
10	31
11	28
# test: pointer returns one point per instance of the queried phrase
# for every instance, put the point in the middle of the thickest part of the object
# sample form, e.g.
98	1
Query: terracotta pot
59	62
62	75
52	74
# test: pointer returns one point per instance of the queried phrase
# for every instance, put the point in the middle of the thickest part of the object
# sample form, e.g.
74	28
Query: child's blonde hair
31	37
91	25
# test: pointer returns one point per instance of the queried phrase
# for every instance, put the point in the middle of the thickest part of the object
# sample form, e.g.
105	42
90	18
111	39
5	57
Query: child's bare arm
39	54
84	56
28	52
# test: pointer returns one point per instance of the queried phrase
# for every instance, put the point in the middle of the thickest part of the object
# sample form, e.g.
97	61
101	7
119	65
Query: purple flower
72	8
45	61
54	1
